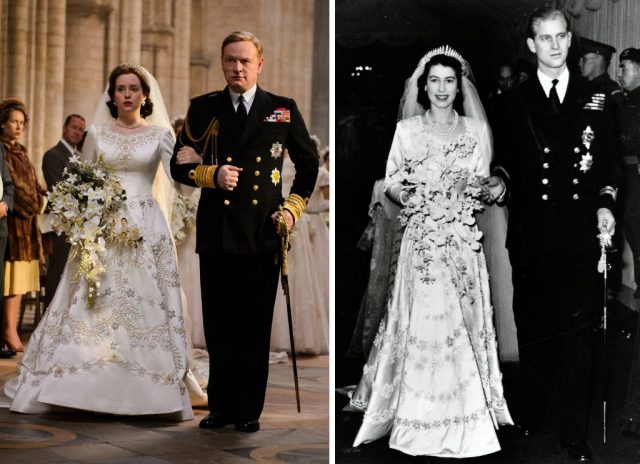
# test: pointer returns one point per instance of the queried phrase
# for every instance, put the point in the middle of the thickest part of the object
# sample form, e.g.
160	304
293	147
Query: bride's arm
484	149
394	186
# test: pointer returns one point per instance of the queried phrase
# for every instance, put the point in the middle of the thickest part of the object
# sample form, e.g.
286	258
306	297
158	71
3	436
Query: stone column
130	22
179	101
200	41
54	89
86	66
17	46
157	46
319	122
39	112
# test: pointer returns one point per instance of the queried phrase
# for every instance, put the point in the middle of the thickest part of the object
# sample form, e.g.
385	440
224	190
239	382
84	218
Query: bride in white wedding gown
432	380
128	354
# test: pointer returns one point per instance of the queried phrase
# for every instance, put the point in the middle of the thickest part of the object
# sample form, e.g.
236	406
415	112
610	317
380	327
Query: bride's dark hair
449	62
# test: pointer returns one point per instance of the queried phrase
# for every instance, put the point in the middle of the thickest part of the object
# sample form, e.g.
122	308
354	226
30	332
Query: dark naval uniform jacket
629	125
239	221
559	169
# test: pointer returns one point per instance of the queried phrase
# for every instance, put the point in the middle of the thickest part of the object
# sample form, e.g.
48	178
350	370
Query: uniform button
575	165
254	202
545	165
258	159
546	150
576	181
545	181
257	173
227	202
255	188
229	159
545	197
576	150
576	196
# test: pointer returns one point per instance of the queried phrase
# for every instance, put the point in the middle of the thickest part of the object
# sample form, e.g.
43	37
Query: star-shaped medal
276	150
275	176
586	162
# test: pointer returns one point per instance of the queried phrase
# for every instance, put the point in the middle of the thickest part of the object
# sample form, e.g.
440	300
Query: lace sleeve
395	174
484	149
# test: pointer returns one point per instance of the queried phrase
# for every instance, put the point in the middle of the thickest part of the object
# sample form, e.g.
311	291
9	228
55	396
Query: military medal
275	176
586	162
276	150
587	137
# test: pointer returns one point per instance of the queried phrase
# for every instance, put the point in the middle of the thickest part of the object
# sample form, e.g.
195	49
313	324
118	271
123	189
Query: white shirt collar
69	147
561	86
249	96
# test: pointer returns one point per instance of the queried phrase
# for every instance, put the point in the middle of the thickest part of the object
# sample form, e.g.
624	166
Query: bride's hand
187	155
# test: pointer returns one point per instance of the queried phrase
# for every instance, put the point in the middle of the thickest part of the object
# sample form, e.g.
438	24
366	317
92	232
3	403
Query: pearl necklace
125	126
447	130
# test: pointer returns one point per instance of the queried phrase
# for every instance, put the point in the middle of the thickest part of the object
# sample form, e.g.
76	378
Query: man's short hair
70	117
543	14
242	36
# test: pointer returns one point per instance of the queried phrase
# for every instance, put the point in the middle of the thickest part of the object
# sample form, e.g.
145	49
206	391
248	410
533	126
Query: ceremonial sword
284	233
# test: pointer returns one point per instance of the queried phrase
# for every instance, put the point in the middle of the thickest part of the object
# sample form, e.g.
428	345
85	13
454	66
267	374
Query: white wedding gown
128	354
432	380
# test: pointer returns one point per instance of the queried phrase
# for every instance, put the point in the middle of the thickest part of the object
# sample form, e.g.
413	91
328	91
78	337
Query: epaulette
208	94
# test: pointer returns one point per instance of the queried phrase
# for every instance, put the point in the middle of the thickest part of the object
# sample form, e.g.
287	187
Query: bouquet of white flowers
85	205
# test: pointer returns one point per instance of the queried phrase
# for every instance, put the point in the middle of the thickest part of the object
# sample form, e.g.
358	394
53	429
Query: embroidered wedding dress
432	380
128	354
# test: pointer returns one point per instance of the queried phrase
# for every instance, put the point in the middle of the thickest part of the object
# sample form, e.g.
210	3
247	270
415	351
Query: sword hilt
285	234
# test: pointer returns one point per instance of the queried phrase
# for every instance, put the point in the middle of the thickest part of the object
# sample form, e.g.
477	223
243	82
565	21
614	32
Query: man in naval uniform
554	168
628	122
595	58
594	63
241	133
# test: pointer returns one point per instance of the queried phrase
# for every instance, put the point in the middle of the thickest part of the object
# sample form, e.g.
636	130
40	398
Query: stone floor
285	435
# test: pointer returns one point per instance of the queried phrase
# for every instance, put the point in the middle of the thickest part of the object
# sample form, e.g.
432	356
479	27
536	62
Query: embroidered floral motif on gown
432	380
127	355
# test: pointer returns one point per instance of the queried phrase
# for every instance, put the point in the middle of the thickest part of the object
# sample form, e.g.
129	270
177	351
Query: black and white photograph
486	215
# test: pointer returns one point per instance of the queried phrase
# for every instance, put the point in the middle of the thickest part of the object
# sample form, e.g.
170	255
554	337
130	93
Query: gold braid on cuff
295	204
203	175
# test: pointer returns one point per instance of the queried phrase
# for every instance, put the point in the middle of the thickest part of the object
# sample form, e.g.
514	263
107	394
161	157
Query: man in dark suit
54	162
554	163
6	205
241	132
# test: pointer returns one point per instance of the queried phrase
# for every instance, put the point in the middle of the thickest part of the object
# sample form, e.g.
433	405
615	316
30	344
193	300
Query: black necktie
241	111
553	97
